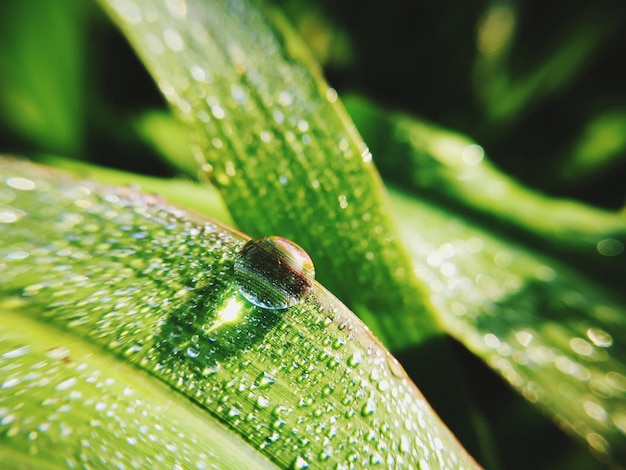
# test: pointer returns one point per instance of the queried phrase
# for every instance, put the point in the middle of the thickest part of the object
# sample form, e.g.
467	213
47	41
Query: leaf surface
553	334
117	277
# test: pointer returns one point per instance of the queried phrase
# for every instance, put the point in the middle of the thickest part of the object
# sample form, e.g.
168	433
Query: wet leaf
553	334
279	146
489	250
109	294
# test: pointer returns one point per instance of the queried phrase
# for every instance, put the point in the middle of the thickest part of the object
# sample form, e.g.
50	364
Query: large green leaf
277	143
107	294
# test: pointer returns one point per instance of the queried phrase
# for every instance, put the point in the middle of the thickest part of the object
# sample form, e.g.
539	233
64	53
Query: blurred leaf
170	139
553	334
507	96
96	279
601	147
41	71
448	167
281	149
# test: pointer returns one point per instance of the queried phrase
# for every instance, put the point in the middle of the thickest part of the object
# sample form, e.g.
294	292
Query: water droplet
173	40
599	337
218	112
263	402
581	347
177	7
192	352
473	154
610	247
331	95
22	184
355	359
383	386
264	380
300	463
8	215
368	408
595	411
273	272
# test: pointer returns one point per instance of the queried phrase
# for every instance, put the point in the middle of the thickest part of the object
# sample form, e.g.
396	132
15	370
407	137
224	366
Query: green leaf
600	148
508	95
553	334
170	139
108	294
281	149
67	402
41	60
550	331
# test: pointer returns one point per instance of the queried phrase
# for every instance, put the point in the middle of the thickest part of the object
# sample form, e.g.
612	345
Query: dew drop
192	352
173	40
368	408
23	184
8	215
300	463
273	272
355	359
599	337
264	380
610	247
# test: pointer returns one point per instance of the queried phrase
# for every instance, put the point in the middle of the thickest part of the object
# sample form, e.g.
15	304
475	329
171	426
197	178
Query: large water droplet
273	272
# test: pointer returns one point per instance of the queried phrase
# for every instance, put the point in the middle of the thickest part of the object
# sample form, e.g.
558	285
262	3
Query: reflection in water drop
273	272
599	337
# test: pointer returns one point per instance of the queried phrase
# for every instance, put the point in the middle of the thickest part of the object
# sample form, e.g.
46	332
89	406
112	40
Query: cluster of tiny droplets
304	385
45	393
531	322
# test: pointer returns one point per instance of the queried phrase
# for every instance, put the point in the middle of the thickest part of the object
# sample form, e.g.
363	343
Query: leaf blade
152	284
64	374
554	335
282	150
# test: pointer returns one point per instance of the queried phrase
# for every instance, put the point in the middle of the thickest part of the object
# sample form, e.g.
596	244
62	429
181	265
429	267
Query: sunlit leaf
281	149
98	281
67	402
